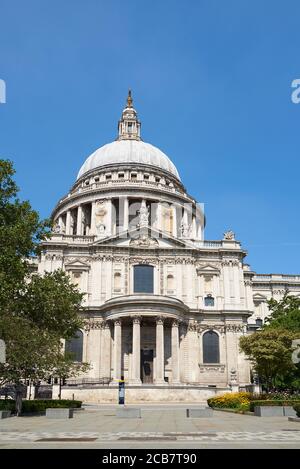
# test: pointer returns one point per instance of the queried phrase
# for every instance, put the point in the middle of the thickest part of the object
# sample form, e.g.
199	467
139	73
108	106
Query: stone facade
128	208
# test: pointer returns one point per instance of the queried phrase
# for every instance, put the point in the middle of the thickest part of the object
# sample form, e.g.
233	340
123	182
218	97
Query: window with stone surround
117	282
76	278
170	283
143	279
211	348
209	301
74	347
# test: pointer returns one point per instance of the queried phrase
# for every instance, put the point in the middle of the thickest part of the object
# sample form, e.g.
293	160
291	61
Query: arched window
74	347
211	350
170	282
143	279
209	301
117	281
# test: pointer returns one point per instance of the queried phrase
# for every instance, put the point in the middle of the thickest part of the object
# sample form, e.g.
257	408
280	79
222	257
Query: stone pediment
76	265
257	297
208	269
144	238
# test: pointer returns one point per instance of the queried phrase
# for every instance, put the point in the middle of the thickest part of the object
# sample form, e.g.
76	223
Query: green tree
20	234
36	312
285	313
270	351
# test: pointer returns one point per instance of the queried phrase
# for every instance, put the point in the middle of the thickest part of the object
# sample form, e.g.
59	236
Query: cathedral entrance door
147	366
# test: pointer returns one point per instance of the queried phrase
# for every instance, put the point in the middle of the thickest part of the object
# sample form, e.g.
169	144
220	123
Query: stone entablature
144	305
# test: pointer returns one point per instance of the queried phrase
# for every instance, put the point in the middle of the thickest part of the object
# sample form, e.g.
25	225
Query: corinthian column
68	223
125	213
79	220
175	352
93	219
117	349
160	356
174	227
105	354
136	351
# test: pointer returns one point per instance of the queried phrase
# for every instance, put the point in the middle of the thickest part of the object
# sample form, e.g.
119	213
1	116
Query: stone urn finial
229	235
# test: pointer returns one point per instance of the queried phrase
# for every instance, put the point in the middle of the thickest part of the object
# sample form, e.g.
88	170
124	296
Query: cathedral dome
128	148
128	151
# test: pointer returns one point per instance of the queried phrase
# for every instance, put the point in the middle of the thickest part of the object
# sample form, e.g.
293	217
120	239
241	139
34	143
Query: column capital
175	323
105	325
160	320
136	319
160	360
135	375
117	322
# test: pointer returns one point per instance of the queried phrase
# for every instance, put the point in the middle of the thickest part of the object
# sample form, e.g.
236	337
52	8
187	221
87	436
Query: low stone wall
142	394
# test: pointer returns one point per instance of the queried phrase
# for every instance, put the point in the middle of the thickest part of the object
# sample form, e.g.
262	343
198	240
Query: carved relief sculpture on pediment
143	242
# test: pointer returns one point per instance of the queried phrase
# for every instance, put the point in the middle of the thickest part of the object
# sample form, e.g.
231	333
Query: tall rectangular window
143	279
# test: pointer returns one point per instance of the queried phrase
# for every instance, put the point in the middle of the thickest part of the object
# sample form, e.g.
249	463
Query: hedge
297	409
39	405
274	397
272	403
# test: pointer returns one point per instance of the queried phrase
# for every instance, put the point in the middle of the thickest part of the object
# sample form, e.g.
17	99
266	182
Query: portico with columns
142	346
137	370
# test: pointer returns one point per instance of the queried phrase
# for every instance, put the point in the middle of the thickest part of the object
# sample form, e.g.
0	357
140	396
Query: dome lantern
129	148
129	126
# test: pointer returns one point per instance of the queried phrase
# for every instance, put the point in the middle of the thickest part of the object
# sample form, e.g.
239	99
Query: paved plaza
160	427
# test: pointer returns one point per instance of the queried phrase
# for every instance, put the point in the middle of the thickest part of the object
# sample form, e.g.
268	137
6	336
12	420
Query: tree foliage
36	312
285	313
270	351
20	234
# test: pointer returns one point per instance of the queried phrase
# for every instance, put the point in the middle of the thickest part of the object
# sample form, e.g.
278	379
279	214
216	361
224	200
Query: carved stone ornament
229	235
192	326
248	283
100	227
233	376
57	228
212	368
235	327
105	325
279	292
230	262
100	215
93	324
53	257
101	210
143	260
185	230
211	327
136	320
143	242
143	215
159	320
177	260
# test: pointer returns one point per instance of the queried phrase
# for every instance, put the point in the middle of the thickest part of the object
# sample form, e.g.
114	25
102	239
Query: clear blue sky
211	81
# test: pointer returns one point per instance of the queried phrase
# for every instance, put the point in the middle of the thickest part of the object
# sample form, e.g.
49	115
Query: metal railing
88	382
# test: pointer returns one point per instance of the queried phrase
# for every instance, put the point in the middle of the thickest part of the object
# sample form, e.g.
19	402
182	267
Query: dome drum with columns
163	307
